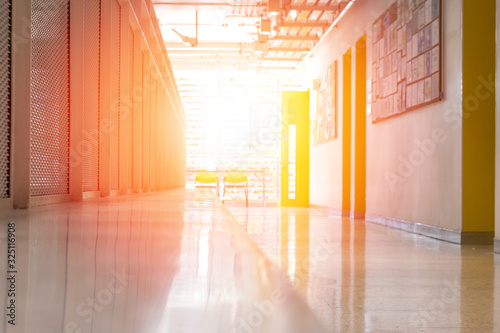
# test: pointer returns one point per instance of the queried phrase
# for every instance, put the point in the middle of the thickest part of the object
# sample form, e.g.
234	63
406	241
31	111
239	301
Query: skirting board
448	235
91	194
497	245
6	203
49	200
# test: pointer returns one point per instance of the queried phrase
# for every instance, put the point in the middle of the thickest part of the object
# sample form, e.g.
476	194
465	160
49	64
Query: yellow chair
235	180
207	179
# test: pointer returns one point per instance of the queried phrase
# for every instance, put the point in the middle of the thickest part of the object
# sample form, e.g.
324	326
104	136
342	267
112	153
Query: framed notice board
325	122
406	58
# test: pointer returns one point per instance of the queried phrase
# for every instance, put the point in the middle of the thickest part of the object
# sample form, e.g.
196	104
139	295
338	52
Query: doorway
295	149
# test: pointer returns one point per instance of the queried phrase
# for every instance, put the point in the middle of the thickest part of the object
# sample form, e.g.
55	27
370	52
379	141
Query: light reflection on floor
172	261
178	261
361	277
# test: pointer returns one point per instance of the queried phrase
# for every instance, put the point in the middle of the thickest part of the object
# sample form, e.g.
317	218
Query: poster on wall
406	58
325	122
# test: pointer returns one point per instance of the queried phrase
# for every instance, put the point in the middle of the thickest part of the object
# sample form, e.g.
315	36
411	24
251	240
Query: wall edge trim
447	235
497	245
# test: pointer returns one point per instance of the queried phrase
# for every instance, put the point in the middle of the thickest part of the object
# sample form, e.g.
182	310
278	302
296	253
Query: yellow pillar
478	121
359	135
346	134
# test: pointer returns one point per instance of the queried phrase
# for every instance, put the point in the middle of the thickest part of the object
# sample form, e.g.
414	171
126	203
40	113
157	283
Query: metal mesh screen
154	120
146	113
132	108
138	114
89	148
5	80
49	97
115	96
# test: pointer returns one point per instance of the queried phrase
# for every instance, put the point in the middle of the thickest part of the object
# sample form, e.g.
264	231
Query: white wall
326	158
431	192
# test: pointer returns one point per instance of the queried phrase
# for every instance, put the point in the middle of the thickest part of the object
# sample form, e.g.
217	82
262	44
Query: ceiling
227	34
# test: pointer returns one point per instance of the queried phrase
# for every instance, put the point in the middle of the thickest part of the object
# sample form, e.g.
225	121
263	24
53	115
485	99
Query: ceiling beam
320	24
289	49
324	8
210	67
216	63
281	59
179	54
277	68
209	4
199	5
203	55
313	38
210	45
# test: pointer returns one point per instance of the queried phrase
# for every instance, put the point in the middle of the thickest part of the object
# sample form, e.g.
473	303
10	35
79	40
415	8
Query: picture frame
407	69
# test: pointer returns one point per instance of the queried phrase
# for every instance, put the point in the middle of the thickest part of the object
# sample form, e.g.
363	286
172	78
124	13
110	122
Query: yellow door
295	149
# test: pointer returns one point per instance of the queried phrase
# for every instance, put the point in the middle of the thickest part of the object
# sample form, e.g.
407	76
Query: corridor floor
178	261
173	261
362	277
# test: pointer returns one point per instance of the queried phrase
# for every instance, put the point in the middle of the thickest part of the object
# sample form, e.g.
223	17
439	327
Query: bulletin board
325	122
406	58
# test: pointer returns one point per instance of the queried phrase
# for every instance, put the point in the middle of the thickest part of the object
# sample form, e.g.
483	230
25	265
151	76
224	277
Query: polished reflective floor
362	277
179	261
173	261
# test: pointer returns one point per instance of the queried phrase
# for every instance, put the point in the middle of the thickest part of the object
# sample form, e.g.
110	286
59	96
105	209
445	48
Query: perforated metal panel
146	113
49	97
91	95
132	108
137	131
152	131
115	96
5	110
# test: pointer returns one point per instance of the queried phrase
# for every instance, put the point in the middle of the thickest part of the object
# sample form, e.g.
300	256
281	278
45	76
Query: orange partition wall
105	117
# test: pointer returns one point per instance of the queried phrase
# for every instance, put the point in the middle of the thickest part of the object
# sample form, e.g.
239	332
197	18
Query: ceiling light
273	7
293	14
